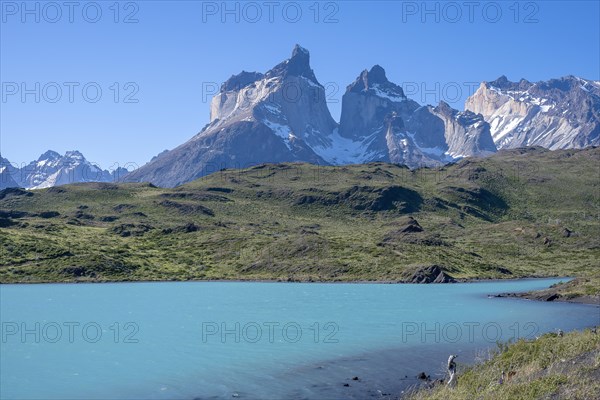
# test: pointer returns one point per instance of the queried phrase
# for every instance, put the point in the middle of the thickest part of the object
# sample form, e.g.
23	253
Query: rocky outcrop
556	114
562	291
431	274
409	225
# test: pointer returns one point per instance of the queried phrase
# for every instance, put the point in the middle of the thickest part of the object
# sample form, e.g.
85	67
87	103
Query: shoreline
352	282
551	294
540	295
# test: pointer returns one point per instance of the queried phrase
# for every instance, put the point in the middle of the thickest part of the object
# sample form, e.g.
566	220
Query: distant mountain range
282	116
53	169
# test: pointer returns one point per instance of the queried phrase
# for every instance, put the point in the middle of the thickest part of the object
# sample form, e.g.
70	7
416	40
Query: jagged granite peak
297	65
375	82
368	78
289	85
254	121
368	100
555	114
501	81
281	116
374	112
388	126
376	75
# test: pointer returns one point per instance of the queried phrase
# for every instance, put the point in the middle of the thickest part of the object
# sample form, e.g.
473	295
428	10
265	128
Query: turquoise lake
198	340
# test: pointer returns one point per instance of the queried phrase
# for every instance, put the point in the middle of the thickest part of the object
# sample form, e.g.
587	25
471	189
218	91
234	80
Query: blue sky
169	51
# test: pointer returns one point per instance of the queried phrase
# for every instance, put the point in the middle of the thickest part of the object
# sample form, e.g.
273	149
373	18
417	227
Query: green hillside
519	213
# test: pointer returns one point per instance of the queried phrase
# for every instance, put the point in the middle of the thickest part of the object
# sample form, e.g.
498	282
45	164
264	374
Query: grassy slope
480	219
551	367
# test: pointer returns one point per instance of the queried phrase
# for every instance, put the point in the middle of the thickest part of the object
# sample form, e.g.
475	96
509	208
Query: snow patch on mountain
387	94
283	131
341	150
502	125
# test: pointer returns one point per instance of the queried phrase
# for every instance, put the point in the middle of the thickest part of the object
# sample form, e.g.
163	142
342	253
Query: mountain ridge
282	116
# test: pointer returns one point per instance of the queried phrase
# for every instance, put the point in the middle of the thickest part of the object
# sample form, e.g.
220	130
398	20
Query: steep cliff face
410	148
387	126
367	102
466	133
557	114
375	121
288	96
256	118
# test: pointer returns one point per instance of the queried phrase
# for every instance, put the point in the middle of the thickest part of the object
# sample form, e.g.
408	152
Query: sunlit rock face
556	114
